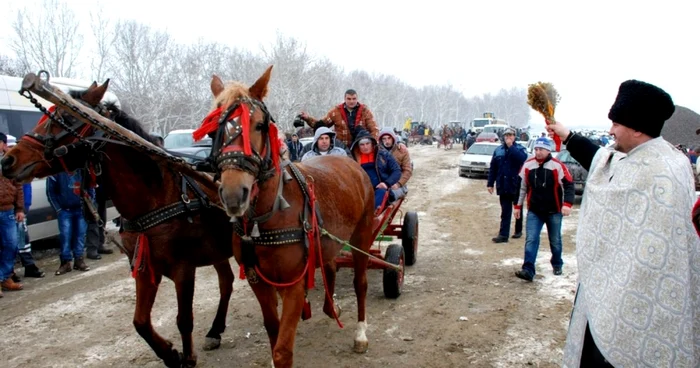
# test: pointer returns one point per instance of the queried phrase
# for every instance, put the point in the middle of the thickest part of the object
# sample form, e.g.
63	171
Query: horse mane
232	92
128	122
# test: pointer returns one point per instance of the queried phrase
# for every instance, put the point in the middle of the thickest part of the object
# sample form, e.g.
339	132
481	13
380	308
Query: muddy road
461	304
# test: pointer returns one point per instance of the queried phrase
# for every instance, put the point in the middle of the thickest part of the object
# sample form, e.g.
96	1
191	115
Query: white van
19	116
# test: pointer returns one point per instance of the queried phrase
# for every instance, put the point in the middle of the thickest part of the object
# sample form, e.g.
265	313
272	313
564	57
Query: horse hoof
211	343
338	310
361	346
189	363
175	360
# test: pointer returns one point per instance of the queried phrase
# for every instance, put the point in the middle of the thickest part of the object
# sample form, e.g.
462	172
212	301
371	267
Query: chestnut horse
268	198
170	246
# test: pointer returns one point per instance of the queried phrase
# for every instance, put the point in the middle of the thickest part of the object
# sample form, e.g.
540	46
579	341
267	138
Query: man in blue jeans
63	191
506	162
11	212
549	189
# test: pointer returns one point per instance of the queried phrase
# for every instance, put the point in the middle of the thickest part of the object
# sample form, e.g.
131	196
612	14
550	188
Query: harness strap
274	237
197	190
157	217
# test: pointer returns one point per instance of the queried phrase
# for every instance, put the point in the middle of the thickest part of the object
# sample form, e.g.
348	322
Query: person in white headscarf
638	298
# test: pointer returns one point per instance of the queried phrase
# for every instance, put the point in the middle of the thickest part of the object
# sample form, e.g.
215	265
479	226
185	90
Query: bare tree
46	37
142	62
105	34
11	67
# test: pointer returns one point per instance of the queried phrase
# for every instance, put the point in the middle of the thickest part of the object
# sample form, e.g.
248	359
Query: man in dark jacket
383	170
295	147
63	191
549	189
505	166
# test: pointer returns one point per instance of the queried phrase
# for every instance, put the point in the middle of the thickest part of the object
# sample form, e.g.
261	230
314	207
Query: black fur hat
642	106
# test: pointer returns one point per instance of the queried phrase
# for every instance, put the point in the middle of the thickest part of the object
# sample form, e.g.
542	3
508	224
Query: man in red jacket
549	189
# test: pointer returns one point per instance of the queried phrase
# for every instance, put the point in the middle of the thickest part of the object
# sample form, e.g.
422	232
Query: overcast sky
586	49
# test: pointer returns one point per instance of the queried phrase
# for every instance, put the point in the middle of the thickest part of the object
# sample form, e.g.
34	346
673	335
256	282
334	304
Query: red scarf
366	158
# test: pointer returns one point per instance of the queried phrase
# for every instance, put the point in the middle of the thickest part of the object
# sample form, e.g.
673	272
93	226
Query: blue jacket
387	168
505	168
63	191
27	189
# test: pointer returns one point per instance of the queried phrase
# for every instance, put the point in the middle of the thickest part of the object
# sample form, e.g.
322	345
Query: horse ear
217	86
95	93
259	88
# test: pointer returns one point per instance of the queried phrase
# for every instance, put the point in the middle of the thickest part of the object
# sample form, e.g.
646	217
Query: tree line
166	84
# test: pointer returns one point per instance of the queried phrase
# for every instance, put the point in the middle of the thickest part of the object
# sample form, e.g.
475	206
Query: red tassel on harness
313	239
209	124
143	259
275	145
46	117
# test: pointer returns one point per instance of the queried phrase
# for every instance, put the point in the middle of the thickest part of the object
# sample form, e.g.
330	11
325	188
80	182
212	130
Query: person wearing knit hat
637	249
549	189
544	143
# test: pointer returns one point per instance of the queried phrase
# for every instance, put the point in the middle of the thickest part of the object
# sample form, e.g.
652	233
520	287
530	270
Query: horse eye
259	127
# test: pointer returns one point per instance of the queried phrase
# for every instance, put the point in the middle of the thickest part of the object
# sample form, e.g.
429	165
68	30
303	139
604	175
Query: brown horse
170	246
250	190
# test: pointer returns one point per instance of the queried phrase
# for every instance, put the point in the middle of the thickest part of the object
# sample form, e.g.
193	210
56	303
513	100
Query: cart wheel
393	279
409	237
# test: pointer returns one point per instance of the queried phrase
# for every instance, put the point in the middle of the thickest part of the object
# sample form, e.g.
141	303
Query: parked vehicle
178	138
578	173
199	149
476	161
17	117
487	137
478	124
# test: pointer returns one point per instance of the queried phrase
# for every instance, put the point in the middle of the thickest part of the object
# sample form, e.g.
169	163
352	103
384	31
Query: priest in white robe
638	299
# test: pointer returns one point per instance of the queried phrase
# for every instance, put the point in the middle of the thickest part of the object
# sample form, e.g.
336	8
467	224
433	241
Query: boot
80	264
10	285
101	249
93	254
33	271
65	268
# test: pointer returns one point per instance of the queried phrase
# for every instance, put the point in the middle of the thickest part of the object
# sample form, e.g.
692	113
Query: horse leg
184	286
145	297
267	297
226	278
360	283
292	305
330	272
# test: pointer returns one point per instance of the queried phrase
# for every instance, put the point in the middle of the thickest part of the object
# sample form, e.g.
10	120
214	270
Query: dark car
198	149
578	173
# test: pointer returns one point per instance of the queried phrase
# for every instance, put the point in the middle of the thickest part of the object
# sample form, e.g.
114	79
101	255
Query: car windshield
482	149
478	123
178	140
493	129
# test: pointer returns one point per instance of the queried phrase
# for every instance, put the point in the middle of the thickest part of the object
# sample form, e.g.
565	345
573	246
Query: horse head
57	143
246	146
